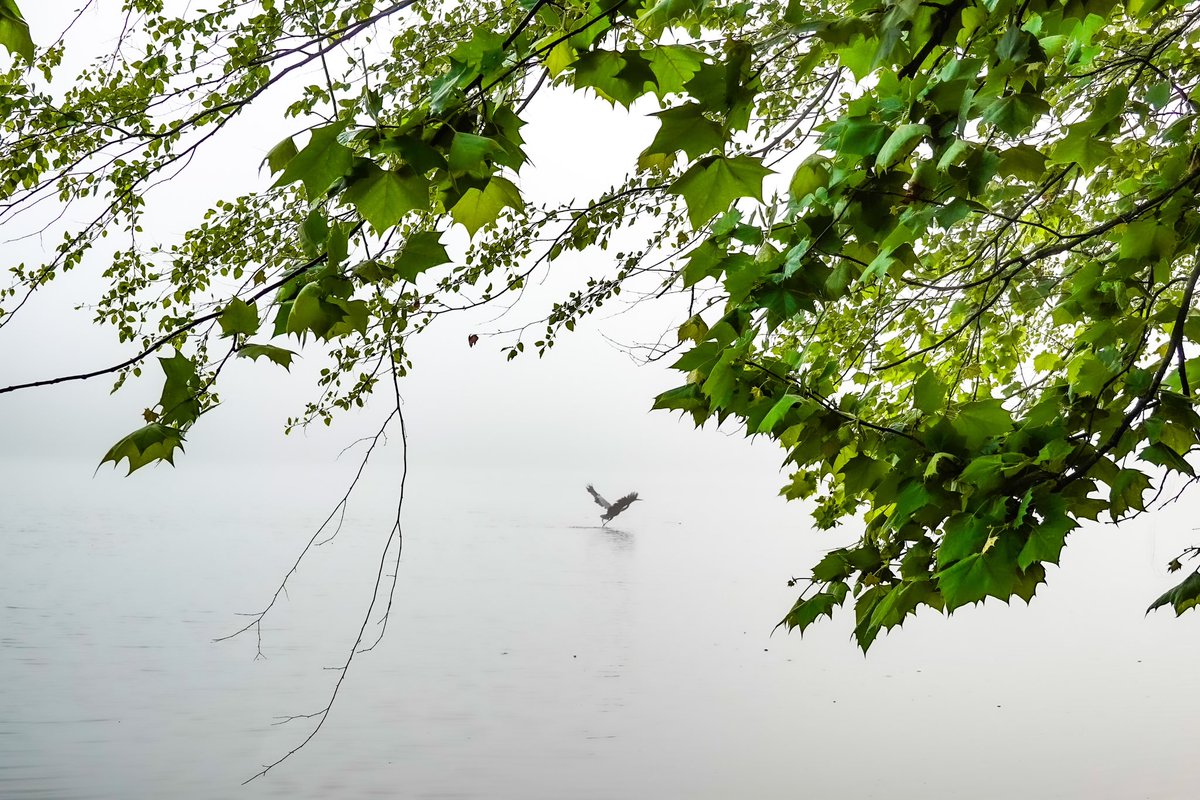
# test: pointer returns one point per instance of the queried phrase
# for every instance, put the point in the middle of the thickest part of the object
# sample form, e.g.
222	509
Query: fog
533	654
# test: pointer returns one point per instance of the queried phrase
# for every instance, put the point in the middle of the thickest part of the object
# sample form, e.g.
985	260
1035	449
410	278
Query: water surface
532	654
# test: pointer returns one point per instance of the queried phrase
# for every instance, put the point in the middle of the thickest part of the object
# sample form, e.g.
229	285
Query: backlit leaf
383	197
279	355
713	183
478	208
321	162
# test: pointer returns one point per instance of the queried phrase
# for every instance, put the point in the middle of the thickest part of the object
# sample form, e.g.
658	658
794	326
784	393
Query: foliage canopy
944	253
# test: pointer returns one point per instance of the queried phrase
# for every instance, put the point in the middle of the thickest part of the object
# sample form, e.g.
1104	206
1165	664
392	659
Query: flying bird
611	509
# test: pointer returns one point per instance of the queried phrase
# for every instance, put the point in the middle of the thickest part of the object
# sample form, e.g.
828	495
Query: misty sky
585	403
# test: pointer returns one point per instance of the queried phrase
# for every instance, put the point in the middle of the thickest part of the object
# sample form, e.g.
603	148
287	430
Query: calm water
532	656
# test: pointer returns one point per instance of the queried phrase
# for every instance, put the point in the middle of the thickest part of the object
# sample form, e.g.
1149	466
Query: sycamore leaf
280	155
179	401
315	311
808	610
659	14
322	161
1158	453
721	381
1127	492
811	175
901	601
1016	113
1081	146
1046	540
929	394
279	355
383	197
935	463
703	262
239	317
469	152
1023	162
14	31
478	208
781	407
860	137
1182	597
673	66
982	420
1147	239
963	535
560	57
421	251
686	128
154	442
619	77
993	573
900	144
713	183
912	498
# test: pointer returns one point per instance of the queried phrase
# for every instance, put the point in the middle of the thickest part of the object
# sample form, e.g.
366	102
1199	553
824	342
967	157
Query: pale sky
585	403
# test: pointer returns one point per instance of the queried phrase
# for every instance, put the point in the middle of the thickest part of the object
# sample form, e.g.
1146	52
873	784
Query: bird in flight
611	509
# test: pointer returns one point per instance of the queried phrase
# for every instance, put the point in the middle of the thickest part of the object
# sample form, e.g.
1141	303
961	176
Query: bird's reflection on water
622	539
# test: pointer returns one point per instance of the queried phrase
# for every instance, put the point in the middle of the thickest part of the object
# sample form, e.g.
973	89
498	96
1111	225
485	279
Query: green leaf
811	175
912	498
992	573
469	152
1164	456
1016	113
935	463
777	412
1087	374
983	472
421	252
279	355
833	567
281	155
1046	540
179	401
616	77
1023	162
1183	596
239	317
383	197
978	421
659	14
861	137
686	128
713	183
808	610
964	535
929	394
900	144
901	601
703	262
479	208
1146	240
154	442
322	161
310	312
14	32
720	384
1081	146
1127	491
314	232
1159	94
673	66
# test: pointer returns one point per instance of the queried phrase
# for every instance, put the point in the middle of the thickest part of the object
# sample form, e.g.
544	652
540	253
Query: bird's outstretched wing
600	501
622	504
